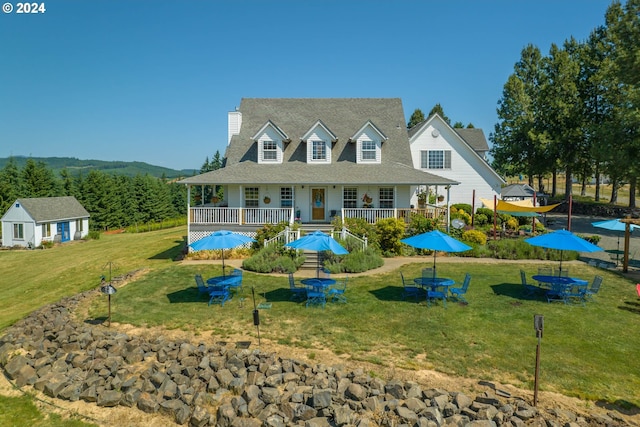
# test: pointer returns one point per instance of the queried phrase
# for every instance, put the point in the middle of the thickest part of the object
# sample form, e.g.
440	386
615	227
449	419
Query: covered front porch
212	215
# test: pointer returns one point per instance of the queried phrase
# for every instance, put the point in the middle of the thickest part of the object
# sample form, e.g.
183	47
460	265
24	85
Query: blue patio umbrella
436	241
318	241
615	225
563	240
221	239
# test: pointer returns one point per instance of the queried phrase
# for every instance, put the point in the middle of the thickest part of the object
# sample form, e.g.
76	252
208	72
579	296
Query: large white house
310	160
31	221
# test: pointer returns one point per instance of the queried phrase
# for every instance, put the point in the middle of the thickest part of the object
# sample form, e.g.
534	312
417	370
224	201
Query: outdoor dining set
558	285
220	289
433	288
318	290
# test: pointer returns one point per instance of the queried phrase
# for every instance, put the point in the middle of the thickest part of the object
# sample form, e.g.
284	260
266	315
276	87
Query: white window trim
327	151
446	158
375	150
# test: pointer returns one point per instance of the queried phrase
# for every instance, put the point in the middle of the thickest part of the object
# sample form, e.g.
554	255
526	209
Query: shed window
46	230
18	231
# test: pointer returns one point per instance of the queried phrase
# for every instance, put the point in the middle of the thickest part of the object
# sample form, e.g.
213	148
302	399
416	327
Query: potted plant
266	200
422	199
440	198
215	199
366	201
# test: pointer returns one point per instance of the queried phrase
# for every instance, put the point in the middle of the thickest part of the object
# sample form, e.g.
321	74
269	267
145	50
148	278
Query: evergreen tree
416	118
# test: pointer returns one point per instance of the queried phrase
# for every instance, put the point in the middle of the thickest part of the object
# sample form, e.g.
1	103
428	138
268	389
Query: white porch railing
260	216
214	215
344	233
285	236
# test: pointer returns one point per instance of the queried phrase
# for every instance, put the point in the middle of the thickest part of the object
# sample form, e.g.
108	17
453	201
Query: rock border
214	385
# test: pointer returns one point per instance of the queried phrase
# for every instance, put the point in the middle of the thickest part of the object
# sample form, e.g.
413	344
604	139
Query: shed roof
44	209
517	190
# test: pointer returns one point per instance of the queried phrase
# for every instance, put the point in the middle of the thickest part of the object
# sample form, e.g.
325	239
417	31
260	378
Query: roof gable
46	209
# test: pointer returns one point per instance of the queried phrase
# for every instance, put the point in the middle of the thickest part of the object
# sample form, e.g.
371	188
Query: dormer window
368	140
269	151
319	139
319	151
368	151
271	140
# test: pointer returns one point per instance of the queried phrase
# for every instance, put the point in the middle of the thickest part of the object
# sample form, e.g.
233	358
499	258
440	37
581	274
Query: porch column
448	188
188	214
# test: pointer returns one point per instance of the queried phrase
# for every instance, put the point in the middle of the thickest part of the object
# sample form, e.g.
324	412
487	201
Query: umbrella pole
434	264
223	273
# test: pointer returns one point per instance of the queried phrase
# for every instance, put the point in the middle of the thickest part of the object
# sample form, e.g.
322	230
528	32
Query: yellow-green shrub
475	236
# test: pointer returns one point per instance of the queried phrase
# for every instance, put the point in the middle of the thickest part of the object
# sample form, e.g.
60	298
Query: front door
63	231
318	204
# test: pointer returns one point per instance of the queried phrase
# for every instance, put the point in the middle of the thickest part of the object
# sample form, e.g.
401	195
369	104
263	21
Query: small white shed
31	221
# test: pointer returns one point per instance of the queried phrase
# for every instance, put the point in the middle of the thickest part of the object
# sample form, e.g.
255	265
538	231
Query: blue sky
153	81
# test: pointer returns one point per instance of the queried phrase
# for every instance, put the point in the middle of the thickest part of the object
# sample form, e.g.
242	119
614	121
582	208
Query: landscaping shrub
93	234
355	262
465	207
358	226
460	214
390	231
47	244
274	259
268	231
486	212
480	219
474	236
418	224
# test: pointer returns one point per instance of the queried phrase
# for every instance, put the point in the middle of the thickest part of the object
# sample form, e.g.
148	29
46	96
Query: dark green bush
480	219
355	262
274	259
486	212
93	234
268	231
464	206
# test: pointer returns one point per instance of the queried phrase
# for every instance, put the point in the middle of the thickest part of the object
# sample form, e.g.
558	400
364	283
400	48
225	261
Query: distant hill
121	168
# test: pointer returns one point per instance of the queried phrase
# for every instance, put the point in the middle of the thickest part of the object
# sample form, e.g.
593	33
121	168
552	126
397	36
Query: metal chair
336	292
218	295
593	289
460	292
528	289
562	272
315	294
202	287
436	293
297	292
410	289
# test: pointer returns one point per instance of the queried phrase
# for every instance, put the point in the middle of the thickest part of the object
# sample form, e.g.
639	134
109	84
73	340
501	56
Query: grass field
588	352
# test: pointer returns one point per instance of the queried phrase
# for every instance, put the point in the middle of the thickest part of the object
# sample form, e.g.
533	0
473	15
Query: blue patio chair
559	292
336	292
593	288
297	292
437	293
315	294
528	289
218	295
202	287
459	292
410	289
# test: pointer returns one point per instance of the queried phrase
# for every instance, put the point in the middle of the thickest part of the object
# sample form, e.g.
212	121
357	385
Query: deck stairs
311	257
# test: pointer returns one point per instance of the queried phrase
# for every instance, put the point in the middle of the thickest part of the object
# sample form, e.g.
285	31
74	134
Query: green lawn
586	351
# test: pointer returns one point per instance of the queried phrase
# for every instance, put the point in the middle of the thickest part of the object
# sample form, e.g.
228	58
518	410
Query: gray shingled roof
517	190
474	137
45	209
343	116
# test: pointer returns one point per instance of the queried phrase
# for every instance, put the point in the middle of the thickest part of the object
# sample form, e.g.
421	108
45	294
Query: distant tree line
576	110
114	201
